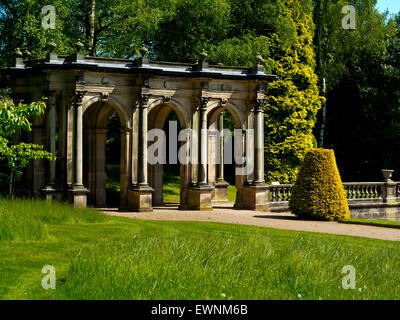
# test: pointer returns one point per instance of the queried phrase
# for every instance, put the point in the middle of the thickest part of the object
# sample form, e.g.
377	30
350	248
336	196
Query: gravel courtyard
224	213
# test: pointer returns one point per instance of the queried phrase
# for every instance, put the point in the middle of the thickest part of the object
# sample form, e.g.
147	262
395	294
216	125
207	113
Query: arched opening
222	173
168	179
103	154
113	160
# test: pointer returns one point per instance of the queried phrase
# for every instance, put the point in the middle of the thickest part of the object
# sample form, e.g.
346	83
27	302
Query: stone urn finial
203	55
259	59
79	46
18	53
387	174
143	51
51	46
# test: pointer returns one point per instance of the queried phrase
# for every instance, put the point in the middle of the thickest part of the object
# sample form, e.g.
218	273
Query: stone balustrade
354	190
371	200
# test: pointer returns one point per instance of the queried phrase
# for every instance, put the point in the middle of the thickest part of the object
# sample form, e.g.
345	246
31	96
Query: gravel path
225	214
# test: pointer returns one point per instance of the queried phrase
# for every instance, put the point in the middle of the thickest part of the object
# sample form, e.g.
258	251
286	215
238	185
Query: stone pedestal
389	192
139	199
199	198
51	193
252	197
221	191
78	195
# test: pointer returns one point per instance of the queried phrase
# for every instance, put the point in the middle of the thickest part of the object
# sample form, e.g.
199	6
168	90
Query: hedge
318	192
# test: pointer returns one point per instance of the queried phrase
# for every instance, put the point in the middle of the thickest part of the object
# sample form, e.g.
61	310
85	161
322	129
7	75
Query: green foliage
362	69
293	100
318	192
17	117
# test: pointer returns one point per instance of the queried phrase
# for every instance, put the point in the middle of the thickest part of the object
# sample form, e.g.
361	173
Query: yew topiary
318	192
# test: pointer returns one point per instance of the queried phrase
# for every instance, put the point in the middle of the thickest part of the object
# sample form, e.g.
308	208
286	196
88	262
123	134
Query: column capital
144	99
126	130
204	102
79	95
260	104
196	104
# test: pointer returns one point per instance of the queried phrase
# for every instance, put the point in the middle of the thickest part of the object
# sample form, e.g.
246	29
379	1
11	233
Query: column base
199	198
51	193
138	199
252	197
221	191
78	195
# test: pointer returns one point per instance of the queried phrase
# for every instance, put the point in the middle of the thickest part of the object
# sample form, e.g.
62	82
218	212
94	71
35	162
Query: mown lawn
99	257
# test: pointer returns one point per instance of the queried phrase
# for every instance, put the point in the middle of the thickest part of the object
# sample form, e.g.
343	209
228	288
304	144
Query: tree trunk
323	120
11	186
91	33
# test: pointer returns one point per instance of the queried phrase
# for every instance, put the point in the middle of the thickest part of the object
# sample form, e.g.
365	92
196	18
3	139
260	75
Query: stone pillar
221	186
254	196
259	143
143	118
96	165
49	191
125	173
199	195
203	145
39	165
140	195
389	187
78	193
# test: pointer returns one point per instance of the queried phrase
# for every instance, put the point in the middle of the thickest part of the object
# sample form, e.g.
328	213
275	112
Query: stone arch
102	107
216	109
159	111
173	104
216	174
96	113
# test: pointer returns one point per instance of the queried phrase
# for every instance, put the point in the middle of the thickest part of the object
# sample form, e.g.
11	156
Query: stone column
259	143
39	165
52	136
221	186
78	177
125	172
49	191
202	180
254	196
78	193
142	170
220	166
199	195
140	195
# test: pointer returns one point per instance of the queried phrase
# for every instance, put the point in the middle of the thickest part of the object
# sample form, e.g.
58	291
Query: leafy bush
318	191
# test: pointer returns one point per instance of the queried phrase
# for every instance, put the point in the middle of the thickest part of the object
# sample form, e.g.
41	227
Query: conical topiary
318	192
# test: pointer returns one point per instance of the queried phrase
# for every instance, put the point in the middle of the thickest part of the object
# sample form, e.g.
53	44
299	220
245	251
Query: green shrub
318	192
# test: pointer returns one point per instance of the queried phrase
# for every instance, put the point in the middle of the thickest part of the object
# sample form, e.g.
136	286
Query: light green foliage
15	117
293	101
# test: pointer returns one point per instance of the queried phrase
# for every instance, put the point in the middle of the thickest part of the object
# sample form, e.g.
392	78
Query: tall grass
27	219
231	266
